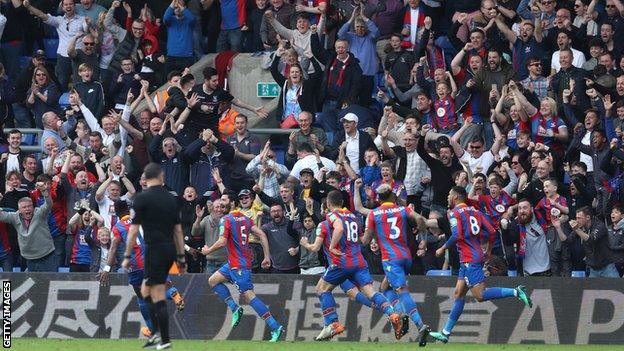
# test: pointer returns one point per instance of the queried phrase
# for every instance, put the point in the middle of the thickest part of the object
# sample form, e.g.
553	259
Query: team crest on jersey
453	222
388	268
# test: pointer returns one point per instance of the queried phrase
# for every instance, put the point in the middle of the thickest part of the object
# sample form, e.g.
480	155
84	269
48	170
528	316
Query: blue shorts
135	278
472	273
395	272
337	275
241	278
347	285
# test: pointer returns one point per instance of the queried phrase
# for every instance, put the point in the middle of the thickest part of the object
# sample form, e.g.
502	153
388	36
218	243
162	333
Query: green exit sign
267	90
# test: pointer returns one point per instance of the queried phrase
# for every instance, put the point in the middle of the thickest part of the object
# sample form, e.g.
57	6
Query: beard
525	218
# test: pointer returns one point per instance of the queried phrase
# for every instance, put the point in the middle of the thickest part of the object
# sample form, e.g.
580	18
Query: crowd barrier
566	310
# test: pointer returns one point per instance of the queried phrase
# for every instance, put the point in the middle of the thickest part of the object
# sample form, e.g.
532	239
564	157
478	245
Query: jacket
350	89
365	143
305	96
35	241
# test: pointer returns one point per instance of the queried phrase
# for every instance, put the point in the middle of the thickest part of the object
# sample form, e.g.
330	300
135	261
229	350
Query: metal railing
270	131
37	132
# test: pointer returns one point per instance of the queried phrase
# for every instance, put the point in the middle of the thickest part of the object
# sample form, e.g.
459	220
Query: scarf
341	74
435	59
413	24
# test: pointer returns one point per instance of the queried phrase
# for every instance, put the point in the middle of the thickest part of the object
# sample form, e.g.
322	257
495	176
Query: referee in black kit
156	210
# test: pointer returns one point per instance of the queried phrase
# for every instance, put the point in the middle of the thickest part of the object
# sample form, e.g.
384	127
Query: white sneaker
163	346
325	333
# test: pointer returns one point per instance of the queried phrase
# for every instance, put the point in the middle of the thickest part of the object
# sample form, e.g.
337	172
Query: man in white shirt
475	156
110	191
564	41
67	27
308	159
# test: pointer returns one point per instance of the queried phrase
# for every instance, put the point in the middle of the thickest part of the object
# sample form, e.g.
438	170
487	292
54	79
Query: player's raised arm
266	263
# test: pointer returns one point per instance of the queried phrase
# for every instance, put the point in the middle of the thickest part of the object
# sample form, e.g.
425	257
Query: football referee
155	210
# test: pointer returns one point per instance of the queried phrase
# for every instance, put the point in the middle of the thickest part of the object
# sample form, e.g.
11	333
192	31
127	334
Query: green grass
32	344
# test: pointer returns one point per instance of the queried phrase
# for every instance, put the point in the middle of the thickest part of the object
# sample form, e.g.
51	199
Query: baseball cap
306	170
39	54
351	117
244	192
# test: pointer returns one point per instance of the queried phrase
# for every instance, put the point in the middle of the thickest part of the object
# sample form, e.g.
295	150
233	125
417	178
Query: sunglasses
547	2
40	74
88	44
515	163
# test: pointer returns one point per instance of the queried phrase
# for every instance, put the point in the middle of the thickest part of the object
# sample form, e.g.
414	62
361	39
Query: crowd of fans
519	101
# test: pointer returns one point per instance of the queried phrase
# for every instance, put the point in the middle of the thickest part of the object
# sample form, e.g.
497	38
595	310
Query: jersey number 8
352	232
474	225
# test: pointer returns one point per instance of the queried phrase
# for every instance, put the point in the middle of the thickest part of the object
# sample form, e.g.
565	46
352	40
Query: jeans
63	71
328	118
178	63
230	39
608	271
60	249
11	53
48	263
22	116
7	262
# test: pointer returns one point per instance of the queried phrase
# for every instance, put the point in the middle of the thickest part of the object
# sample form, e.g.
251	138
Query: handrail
272	131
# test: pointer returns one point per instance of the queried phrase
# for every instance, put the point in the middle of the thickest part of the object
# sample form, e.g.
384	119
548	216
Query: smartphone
495	87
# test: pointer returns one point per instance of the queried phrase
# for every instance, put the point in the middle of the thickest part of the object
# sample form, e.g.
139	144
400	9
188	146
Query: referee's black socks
163	320
153	314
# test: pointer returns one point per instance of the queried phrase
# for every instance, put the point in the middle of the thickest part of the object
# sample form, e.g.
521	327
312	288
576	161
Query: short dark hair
334	175
460	191
172	74
186	79
305	147
586	210
14	131
152	171
334	198
121	208
232	196
209	72
95	134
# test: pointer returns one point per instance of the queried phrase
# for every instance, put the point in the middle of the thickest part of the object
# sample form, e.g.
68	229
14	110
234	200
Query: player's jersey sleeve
370	220
224	229
320	233
455	226
487	228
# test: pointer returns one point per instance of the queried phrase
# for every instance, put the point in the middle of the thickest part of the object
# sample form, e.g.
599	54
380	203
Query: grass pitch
33	344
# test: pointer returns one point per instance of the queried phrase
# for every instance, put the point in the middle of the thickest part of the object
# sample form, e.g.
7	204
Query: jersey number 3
395	232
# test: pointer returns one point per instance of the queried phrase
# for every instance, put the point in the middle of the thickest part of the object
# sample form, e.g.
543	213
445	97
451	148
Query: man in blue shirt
179	22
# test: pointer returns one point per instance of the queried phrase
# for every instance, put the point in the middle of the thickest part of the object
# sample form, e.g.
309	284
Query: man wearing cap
355	142
67	27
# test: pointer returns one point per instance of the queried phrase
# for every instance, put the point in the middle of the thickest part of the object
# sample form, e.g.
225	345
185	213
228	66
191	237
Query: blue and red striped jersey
543	208
235	227
233	14
390	222
495	208
120	230
57	220
81	250
349	242
469	228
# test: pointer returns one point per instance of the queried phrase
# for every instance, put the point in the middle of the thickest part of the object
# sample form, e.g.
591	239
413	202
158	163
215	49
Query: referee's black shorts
158	261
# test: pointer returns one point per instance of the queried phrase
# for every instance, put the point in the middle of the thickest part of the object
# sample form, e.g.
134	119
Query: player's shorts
472	273
135	278
241	278
395	272
347	285
158	260
337	275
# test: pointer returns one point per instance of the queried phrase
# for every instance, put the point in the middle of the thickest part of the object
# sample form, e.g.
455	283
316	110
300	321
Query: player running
135	273
341	246
234	231
392	225
347	286
469	227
